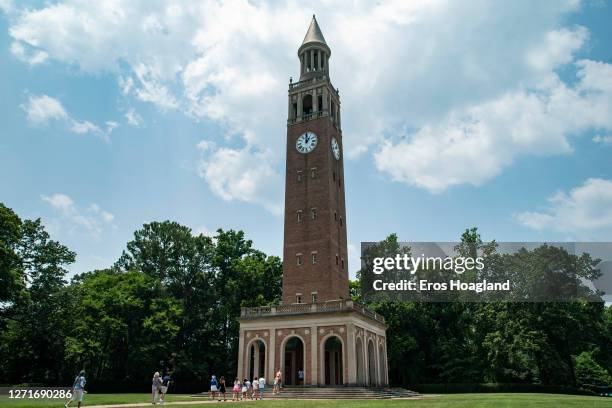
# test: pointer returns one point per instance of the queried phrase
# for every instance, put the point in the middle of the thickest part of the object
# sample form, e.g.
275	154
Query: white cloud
6	6
603	139
133	118
585	211
558	48
474	144
40	110
27	54
243	175
452	74
92	220
203	230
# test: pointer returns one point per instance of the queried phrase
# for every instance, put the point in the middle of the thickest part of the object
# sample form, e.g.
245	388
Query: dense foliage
170	301
172	298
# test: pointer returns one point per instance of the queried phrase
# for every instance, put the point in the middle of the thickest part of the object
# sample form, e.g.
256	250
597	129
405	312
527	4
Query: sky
455	114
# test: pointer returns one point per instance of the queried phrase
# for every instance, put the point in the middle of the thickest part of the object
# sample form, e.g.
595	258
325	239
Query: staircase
355	393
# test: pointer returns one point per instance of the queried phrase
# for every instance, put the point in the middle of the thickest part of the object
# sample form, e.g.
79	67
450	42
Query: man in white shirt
262	386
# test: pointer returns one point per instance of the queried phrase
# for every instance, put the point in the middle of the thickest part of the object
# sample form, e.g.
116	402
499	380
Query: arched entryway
360	361
371	364
256	359
382	370
293	358
333	361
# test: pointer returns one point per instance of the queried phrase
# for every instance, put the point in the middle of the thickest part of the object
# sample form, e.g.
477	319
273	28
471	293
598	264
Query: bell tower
318	336
315	265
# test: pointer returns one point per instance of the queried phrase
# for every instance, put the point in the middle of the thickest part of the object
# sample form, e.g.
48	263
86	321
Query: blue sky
455	114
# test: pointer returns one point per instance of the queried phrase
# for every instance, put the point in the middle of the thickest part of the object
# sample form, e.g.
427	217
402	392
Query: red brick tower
315	250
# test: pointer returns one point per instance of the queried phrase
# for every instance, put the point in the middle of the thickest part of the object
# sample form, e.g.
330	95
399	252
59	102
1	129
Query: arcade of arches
334	355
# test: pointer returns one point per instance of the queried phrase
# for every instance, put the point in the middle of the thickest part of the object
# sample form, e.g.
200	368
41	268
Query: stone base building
333	343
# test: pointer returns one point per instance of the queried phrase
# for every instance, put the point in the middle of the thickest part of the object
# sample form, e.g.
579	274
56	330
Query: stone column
351	355
386	368
299	107
255	360
314	356
271	356
241	354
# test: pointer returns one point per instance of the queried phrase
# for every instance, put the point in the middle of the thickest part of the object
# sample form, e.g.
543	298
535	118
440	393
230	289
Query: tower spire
314	33
314	53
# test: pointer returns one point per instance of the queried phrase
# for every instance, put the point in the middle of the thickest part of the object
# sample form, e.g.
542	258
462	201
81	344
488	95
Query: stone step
366	393
341	393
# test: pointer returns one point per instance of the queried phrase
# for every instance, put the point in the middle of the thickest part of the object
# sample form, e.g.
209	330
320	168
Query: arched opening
371	364
360	362
381	365
293	362
257	360
333	362
307	104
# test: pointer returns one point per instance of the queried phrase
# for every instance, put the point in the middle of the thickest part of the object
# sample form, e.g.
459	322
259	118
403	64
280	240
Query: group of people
243	390
159	387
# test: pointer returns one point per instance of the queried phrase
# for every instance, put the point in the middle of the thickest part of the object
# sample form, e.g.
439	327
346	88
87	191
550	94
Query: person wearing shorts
156	386
222	389
236	390
245	389
78	389
262	387
214	386
255	389
164	388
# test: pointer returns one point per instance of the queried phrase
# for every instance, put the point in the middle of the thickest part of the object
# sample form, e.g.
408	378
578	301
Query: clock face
335	148
306	142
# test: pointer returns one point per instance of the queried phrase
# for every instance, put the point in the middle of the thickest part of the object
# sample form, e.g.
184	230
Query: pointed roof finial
314	33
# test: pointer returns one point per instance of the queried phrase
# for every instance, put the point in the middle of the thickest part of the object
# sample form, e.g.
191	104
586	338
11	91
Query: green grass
91	399
443	401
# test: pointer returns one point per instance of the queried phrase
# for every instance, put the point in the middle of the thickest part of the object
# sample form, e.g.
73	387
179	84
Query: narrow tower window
298	298
313	256
299	215
299	175
337	259
298	258
314	297
313	213
342	264
313	172
340	221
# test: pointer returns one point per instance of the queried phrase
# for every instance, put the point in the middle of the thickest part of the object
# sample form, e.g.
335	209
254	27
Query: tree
126	324
589	372
11	276
33	340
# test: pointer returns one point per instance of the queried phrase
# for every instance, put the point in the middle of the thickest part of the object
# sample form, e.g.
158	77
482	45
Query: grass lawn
443	401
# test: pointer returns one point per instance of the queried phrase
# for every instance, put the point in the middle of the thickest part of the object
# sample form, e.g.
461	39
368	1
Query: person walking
245	389
255	385
236	390
214	386
156	385
222	389
277	381
262	387
300	377
78	389
165	386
